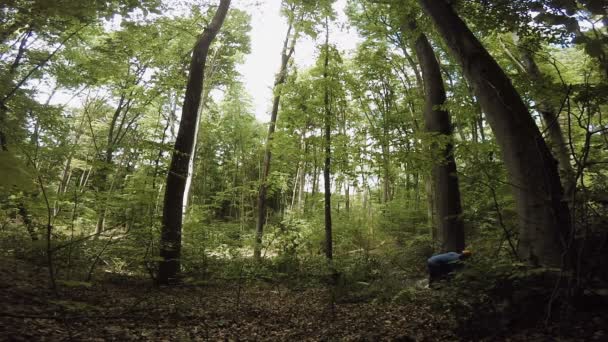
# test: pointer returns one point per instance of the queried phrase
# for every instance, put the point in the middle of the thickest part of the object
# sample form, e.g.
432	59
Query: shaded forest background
453	124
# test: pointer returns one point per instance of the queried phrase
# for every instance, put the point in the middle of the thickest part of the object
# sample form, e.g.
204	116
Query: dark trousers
438	272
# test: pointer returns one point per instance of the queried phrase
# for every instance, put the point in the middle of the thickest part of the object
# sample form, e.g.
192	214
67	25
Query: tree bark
286	54
543	218
446	192
302	182
104	171
210	72
171	233
327	166
102	189
555	135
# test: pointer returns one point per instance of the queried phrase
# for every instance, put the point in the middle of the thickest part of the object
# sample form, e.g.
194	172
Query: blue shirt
443	259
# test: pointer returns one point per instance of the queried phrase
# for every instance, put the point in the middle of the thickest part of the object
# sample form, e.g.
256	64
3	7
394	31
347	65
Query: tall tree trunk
102	189
27	221
327	167
296	185
209	73
550	116
300	170
11	73
543	218
347	196
302	182
159	155
115	129
286	54
437	121
315	174
431	215
3	139
171	233
386	166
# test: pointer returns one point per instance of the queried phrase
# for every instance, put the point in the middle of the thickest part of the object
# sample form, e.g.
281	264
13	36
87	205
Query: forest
142	196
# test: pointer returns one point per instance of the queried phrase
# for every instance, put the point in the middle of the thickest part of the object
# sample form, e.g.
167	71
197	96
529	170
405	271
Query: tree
437	122
377	93
55	25
543	218
327	167
541	86
288	49
301	19
170	249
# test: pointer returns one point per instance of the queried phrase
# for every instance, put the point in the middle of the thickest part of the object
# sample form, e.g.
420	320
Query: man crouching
441	265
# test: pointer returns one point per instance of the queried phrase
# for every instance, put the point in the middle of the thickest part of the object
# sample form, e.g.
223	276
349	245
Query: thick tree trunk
543	217
286	54
170	245
437	121
558	144
327	166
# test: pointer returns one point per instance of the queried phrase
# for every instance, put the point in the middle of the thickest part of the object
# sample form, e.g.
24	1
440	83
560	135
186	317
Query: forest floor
132	309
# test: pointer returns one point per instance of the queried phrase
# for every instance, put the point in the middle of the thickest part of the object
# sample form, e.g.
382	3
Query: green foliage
491	295
105	155
16	176
401	219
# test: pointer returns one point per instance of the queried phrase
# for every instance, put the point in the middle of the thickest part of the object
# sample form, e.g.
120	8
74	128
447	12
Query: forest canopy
130	148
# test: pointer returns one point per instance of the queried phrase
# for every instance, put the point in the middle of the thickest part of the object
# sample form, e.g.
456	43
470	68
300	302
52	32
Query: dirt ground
130	309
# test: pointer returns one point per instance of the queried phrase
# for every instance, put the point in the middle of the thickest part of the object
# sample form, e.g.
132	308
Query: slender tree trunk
296	185
21	51
543	218
302	183
162	143
386	183
315	173
347	196
103	173
63	184
286	54
479	120
3	139
327	167
38	66
411	63
300	170
102	189
437	121
210	72
430	210
171	233
417	189
190	173
27	221
66	174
